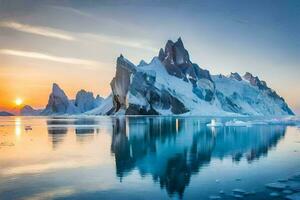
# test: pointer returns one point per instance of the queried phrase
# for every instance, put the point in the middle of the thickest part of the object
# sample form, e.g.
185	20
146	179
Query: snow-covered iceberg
172	84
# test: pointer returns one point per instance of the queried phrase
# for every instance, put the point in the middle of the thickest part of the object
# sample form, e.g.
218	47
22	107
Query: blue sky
42	41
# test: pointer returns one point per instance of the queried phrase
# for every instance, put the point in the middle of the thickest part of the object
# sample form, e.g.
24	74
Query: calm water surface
143	158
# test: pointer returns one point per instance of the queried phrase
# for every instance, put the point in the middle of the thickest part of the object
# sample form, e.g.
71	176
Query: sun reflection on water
18	124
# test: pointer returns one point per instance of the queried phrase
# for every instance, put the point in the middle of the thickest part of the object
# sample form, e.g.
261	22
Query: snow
252	100
236	122
104	108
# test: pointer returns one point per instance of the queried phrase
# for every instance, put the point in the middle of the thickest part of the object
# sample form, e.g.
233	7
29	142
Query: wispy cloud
63	35
73	10
119	41
37	30
42	56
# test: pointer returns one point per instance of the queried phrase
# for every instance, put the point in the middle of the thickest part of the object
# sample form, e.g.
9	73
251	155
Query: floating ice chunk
295	196
250	193
296	176
291	120
238	123
214	123
274	194
237	196
239	191
294	185
276	186
287	192
214	197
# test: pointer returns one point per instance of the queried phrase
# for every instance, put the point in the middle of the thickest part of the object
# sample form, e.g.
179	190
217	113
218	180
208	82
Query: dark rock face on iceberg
255	81
177	62
235	76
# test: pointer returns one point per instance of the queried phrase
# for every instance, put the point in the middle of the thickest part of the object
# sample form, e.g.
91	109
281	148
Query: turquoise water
144	158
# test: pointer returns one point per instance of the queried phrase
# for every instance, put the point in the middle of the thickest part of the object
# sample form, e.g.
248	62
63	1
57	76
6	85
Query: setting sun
18	101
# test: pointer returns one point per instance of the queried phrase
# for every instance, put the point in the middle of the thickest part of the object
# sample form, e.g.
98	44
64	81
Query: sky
76	43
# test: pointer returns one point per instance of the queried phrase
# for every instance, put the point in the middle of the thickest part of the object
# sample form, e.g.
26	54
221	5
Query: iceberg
236	122
214	123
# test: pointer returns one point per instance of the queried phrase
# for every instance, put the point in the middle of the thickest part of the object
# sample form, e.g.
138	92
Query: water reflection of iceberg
171	149
56	134
84	129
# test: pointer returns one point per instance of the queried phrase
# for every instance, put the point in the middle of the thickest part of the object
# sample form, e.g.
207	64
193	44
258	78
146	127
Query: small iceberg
295	196
214	197
237	196
237	123
291	120
274	194
276	186
287	192
214	123
28	128
239	191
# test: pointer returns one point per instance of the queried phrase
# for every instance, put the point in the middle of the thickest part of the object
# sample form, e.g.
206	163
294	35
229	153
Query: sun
18	101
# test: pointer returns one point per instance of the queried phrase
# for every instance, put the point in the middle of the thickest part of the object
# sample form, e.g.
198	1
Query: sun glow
18	102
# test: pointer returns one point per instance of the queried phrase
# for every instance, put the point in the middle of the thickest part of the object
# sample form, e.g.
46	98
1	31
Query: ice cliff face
172	84
121	82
